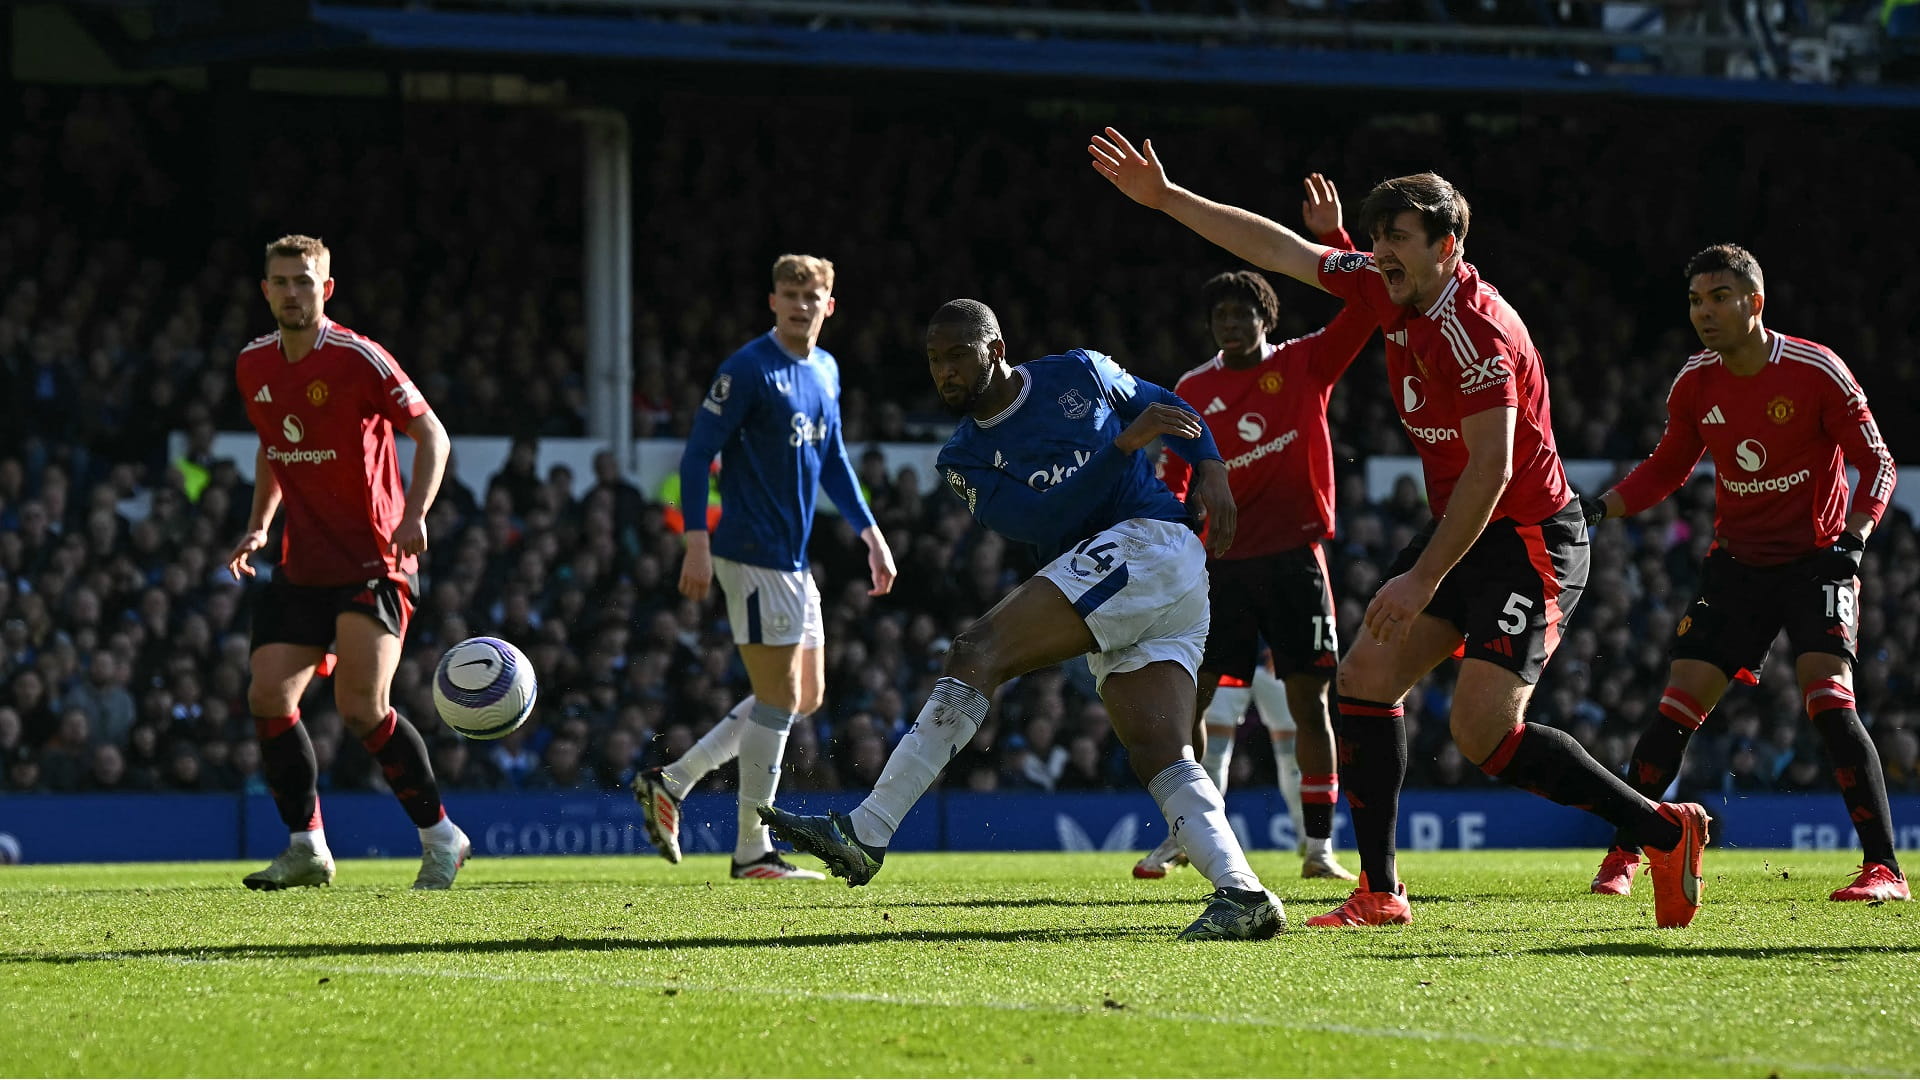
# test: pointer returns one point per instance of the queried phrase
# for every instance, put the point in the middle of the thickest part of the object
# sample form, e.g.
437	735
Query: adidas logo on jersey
1214	406
263	395
1713	416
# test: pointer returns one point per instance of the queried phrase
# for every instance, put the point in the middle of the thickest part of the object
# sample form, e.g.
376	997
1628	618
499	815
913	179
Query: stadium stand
122	639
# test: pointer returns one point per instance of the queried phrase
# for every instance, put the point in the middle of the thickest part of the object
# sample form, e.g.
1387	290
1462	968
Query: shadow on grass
1674	947
562	943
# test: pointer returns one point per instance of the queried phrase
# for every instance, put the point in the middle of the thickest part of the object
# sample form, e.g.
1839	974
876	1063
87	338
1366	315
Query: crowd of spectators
123	639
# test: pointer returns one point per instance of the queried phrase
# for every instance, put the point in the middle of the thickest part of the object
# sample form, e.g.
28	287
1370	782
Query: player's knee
1355	681
1151	756
1477	735
270	700
360	712
974	652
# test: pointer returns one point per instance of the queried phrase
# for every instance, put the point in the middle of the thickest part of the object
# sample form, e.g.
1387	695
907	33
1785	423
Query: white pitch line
1411	1034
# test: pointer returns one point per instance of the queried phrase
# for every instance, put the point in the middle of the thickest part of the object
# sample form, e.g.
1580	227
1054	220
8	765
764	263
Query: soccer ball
484	688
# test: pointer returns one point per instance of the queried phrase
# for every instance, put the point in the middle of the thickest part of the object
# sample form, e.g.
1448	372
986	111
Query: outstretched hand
1320	211
1137	173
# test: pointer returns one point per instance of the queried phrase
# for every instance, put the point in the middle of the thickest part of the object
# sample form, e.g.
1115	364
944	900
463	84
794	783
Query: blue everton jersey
774	419
1045	470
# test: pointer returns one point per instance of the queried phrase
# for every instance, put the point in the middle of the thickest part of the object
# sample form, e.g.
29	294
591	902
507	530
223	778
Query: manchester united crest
317	392
1271	382
1686	624
1780	409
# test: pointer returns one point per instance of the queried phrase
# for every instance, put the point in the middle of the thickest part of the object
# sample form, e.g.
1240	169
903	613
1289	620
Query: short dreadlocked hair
1247	287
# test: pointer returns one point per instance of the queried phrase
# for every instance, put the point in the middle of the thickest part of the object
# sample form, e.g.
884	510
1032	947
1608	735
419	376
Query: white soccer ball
484	688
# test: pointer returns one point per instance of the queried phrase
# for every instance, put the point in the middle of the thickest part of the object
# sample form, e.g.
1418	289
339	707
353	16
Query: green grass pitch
948	965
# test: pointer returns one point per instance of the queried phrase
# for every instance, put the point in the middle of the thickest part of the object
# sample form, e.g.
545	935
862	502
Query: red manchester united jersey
1270	421
1465	354
326	423
1779	439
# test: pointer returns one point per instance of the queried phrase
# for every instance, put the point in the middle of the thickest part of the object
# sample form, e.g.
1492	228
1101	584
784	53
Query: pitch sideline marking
1414	1034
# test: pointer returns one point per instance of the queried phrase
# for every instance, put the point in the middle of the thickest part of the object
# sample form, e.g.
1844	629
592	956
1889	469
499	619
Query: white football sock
314	841
439	834
1287	764
1197	818
1270	701
715	748
763	742
952	714
1219	755
1228	707
1319	845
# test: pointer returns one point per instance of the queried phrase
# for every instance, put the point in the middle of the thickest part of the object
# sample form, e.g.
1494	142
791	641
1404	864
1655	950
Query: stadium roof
936	40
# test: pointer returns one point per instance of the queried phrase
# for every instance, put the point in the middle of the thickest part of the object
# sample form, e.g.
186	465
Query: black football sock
402	754
1318	794
1371	737
1662	747
291	771
1549	763
1856	768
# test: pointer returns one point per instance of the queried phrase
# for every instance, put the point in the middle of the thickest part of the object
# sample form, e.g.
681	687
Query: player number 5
1514	614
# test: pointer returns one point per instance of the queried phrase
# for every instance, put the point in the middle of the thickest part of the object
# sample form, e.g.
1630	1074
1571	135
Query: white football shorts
1141	586
770	607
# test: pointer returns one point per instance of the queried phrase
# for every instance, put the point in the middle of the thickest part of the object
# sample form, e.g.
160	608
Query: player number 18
1840	602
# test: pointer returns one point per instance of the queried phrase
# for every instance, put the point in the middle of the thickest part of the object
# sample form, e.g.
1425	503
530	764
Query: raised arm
1260	241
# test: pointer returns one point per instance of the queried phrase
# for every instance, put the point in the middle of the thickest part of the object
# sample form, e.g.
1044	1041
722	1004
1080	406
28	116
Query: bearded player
1496	574
1050	453
326	401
